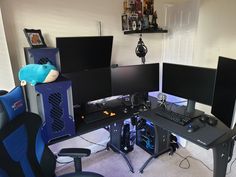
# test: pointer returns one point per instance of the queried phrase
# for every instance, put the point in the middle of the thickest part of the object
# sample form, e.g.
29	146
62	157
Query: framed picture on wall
35	38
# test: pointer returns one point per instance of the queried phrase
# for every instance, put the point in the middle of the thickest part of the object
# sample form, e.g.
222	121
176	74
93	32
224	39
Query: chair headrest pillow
13	103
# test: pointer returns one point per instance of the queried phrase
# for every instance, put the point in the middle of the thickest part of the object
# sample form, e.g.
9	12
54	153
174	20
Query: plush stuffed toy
37	73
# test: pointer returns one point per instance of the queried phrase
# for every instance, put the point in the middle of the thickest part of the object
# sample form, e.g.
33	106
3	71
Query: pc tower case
145	137
52	101
152	139
42	56
120	137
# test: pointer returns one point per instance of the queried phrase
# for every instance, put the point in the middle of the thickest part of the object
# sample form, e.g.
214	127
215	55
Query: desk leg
115	141
150	158
162	145
221	155
123	155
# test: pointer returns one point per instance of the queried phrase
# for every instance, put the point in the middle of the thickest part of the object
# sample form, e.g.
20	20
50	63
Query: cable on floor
93	142
191	157
230	167
105	149
183	159
188	166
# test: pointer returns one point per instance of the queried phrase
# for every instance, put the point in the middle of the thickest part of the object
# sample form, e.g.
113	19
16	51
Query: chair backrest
22	150
3	116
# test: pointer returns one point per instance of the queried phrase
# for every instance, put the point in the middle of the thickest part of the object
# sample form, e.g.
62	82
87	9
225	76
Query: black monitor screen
135	78
190	82
82	53
225	91
90	85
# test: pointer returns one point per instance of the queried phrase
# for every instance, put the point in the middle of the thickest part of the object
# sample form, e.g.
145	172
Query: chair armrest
75	152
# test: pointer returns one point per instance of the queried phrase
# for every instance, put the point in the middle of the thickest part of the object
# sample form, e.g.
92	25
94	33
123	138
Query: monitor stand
190	106
191	111
188	110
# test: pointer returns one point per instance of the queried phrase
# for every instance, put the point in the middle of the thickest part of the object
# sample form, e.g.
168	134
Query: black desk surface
98	119
204	137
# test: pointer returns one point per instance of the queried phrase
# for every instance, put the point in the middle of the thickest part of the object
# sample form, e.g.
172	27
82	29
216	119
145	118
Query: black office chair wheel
82	174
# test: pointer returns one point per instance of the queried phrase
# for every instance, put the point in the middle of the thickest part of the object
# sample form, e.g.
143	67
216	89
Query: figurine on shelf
154	20
139	15
148	6
132	6
145	22
138	7
124	19
125	6
133	22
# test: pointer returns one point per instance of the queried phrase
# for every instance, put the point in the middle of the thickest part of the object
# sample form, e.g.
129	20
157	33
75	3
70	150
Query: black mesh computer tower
52	101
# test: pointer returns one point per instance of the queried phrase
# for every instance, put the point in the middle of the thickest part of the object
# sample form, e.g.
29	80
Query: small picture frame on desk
35	38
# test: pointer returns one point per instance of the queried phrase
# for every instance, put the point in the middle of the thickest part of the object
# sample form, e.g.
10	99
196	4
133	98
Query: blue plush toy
37	73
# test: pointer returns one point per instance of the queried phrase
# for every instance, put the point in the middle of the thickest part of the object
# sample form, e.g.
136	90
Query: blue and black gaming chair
22	150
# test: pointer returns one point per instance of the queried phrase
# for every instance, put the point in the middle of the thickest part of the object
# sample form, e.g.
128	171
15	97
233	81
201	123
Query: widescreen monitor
84	53
135	79
225	91
90	85
189	82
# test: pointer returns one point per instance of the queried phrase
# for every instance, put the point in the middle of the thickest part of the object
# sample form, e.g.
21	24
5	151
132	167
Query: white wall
6	75
215	36
73	18
216	33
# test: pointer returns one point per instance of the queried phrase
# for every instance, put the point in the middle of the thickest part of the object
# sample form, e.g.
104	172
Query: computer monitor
225	91
135	78
82	53
193	83
90	85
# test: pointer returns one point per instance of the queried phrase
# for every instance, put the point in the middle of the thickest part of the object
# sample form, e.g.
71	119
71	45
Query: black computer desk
99	119
116	113
219	138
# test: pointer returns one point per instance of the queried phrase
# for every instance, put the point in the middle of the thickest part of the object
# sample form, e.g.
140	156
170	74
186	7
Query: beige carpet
111	164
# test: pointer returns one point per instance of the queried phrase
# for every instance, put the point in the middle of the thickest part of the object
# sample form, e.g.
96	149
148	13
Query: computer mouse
192	128
212	121
204	118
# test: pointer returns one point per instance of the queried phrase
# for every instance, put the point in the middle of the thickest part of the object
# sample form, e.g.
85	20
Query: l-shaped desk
218	137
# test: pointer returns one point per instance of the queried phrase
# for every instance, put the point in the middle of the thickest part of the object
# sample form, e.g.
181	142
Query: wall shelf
146	31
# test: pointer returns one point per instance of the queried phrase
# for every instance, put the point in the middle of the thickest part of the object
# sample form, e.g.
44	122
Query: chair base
82	174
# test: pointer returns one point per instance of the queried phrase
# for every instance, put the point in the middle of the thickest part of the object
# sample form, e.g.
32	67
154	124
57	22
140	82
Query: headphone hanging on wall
141	50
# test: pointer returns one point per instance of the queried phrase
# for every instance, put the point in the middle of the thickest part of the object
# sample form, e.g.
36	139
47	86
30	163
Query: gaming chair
23	152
